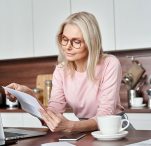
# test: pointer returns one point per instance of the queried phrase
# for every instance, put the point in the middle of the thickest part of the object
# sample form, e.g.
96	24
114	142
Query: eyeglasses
75	43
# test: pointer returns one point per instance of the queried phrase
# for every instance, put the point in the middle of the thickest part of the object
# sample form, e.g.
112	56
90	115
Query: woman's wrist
70	126
85	125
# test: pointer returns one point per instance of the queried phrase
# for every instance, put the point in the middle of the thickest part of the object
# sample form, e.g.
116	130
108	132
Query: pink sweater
88	99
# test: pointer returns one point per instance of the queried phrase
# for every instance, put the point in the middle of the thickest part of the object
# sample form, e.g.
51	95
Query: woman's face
73	45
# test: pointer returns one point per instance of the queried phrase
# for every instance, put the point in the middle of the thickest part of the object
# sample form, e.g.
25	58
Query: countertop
138	110
127	110
11	110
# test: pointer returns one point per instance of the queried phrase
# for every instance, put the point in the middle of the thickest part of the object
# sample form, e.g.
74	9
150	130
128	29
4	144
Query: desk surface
88	140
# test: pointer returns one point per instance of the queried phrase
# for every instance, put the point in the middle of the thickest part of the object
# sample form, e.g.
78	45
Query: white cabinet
20	120
28	27
103	11
140	121
23	119
12	119
132	24
30	121
47	17
16	34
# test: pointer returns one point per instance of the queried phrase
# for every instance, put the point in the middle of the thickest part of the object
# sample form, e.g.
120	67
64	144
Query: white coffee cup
137	101
111	124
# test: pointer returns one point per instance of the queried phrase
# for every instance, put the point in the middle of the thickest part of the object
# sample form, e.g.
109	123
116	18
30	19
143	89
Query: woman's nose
69	46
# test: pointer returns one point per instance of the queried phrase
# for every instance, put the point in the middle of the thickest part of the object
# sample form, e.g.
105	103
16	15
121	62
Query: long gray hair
92	37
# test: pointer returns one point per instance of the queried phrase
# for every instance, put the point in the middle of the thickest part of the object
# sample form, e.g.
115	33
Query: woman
85	78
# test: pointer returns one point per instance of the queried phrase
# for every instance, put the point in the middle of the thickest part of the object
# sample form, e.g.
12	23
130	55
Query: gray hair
92	37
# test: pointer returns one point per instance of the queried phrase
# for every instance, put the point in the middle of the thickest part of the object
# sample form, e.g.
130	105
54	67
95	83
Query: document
28	103
142	143
58	144
31	105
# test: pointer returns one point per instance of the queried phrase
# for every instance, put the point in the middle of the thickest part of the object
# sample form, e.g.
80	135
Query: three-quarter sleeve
108	96
57	101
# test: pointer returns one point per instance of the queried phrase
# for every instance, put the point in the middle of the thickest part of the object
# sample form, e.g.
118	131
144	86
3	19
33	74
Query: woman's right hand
18	87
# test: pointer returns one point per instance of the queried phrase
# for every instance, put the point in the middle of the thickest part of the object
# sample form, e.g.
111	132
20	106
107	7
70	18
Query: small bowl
137	101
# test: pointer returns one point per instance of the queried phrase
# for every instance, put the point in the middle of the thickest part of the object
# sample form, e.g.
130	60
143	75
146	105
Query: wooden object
40	81
24	71
134	136
40	84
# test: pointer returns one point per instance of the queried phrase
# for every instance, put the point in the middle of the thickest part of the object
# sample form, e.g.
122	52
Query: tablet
72	137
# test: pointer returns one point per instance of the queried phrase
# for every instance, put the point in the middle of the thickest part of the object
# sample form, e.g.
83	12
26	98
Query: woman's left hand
56	122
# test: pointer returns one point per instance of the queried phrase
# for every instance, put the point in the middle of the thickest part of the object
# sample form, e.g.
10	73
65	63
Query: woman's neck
80	67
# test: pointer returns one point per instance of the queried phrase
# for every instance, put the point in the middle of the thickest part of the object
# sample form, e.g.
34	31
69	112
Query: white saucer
98	135
138	106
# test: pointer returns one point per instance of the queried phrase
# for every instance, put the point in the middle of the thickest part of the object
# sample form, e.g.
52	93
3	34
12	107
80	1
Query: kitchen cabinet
132	24
28	27
47	17
104	13
31	121
19	120
140	121
16	33
12	119
23	119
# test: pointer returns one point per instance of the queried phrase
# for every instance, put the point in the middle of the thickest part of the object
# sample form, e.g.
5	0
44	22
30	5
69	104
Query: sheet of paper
28	102
58	144
31	105
142	143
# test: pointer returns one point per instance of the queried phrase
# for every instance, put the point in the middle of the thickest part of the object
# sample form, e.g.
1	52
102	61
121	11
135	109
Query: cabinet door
103	11
16	34
133	24
31	121
12	119
20	120
140	121
47	17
